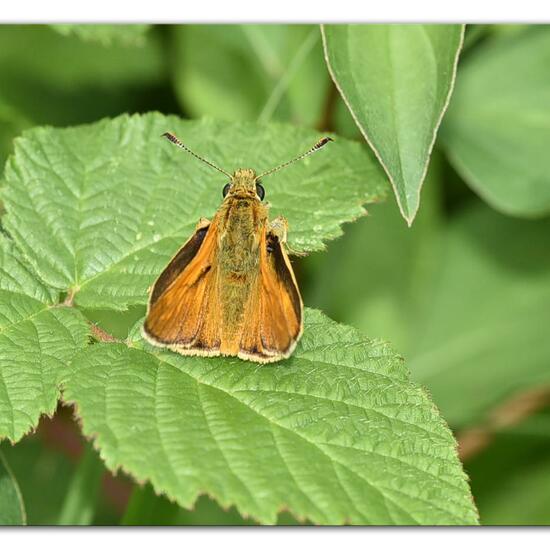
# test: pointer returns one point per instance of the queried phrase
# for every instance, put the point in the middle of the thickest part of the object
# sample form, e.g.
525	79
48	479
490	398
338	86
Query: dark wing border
178	263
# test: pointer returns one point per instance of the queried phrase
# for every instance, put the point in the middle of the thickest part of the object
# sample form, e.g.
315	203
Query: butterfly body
230	290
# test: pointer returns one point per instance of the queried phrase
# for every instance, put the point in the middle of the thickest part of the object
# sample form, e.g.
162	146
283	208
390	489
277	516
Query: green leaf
12	510
44	464
496	130
107	35
82	494
36	342
396	81
16	278
483	335
466	301
238	72
515	492
43	474
74	81
100	209
383	290
335	434
71	62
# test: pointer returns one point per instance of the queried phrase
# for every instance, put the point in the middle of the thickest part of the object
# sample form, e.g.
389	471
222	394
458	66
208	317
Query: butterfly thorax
242	218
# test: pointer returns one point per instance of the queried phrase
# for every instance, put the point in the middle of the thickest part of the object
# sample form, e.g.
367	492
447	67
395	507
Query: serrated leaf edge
95	438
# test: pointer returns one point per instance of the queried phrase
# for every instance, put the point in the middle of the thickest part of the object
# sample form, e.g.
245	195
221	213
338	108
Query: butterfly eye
226	189
260	191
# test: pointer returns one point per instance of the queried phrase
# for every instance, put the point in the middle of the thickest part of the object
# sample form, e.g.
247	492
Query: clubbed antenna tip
316	147
170	137
322	141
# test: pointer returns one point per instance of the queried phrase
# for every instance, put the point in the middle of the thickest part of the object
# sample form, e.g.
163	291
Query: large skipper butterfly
230	290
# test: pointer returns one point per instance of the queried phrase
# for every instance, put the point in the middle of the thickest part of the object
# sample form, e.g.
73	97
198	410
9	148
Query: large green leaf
483	335
36	342
336	434
16	277
396	81
12	510
497	128
100	209
237	72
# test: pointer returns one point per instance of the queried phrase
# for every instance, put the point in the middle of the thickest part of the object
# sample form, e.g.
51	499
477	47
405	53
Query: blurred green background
464	294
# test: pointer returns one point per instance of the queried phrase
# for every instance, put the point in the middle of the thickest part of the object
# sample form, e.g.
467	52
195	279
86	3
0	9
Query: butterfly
230	289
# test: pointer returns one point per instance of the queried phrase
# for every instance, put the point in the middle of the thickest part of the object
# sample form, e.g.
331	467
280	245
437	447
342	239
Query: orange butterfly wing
186	306
183	304
273	317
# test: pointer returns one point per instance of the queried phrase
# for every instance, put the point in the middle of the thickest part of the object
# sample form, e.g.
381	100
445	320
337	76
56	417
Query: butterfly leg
279	228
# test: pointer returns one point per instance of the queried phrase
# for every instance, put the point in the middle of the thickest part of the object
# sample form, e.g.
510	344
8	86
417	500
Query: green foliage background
341	432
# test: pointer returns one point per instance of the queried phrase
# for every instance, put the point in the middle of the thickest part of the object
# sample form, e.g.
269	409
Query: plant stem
511	413
267	56
102	335
281	87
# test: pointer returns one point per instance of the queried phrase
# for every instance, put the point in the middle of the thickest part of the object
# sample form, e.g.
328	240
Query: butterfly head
244	183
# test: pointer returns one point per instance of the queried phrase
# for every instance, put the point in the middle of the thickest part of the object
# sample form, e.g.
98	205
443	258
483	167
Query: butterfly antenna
322	142
179	143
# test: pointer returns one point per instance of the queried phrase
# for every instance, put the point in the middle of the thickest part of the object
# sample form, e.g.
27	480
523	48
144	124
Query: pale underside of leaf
402	147
335	434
